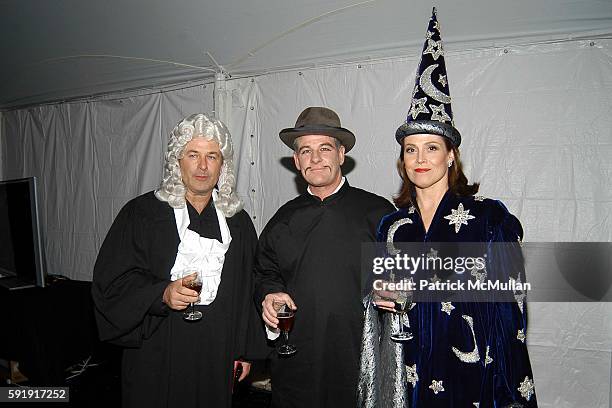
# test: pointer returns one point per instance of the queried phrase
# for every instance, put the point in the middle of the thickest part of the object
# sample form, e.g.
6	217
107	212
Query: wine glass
192	279
285	318
401	304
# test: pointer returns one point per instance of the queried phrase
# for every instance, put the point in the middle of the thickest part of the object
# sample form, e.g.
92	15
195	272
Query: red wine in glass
285	320
193	281
194	285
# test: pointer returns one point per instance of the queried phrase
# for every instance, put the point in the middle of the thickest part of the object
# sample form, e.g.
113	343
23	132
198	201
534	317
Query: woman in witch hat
462	353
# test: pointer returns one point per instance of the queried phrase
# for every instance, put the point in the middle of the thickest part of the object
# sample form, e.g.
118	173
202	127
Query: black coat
311	250
168	361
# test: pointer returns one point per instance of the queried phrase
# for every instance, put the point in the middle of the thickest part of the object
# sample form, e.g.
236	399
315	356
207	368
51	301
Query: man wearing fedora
308	257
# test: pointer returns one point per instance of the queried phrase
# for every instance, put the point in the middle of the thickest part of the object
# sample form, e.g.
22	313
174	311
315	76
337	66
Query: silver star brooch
459	217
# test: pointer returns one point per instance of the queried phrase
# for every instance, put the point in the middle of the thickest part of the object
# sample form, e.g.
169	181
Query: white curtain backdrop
536	122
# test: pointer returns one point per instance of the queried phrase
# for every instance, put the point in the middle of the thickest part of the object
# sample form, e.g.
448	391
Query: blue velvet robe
441	366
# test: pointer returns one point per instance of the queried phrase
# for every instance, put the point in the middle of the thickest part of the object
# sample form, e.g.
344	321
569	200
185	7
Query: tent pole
221	108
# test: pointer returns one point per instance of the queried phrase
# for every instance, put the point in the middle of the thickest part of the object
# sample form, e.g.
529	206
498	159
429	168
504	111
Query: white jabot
335	191
199	253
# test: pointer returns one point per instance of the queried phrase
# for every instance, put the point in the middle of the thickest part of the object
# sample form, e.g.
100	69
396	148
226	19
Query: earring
450	163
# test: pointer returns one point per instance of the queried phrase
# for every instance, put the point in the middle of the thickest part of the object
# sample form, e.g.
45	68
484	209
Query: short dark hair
457	181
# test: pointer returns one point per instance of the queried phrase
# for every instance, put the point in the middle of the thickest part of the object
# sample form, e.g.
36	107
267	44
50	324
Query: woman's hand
385	300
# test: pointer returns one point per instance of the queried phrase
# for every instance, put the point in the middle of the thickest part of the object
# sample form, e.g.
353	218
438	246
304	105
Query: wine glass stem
286	334
192	308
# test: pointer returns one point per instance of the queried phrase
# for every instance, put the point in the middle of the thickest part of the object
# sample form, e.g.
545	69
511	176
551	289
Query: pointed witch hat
430	111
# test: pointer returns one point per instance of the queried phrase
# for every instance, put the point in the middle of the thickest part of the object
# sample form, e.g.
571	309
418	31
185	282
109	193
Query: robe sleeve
126	294
509	347
250	342
506	234
268	278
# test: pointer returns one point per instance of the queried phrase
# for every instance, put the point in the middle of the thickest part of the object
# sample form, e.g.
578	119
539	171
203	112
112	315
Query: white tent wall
536	122
537	132
91	158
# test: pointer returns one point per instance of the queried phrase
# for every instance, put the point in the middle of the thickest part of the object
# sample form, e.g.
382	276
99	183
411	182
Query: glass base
402	336
192	316
286	349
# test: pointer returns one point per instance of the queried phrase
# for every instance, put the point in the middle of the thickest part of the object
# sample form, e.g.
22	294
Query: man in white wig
194	220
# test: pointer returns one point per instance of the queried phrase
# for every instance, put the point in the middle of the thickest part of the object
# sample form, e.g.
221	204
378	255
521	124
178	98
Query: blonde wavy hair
172	190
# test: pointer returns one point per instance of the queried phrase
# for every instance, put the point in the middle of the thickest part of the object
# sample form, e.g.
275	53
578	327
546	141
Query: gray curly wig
172	190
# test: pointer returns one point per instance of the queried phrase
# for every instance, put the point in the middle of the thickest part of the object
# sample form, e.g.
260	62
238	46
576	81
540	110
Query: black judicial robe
168	362
463	354
311	250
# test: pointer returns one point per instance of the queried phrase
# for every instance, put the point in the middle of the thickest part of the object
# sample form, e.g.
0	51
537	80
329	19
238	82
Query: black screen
19	239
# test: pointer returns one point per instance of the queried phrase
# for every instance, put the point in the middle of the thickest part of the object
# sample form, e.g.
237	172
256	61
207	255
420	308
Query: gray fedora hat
317	120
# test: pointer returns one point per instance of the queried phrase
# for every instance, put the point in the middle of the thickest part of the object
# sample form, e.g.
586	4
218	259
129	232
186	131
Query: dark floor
99	386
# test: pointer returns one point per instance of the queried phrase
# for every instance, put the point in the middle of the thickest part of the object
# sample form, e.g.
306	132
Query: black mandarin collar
329	199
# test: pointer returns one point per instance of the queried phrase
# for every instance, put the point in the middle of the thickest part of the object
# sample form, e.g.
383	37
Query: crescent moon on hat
429	88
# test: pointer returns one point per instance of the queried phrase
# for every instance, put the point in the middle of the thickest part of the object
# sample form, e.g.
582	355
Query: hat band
429	127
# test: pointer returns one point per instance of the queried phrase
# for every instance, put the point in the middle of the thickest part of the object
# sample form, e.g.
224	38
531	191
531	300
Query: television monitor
21	255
